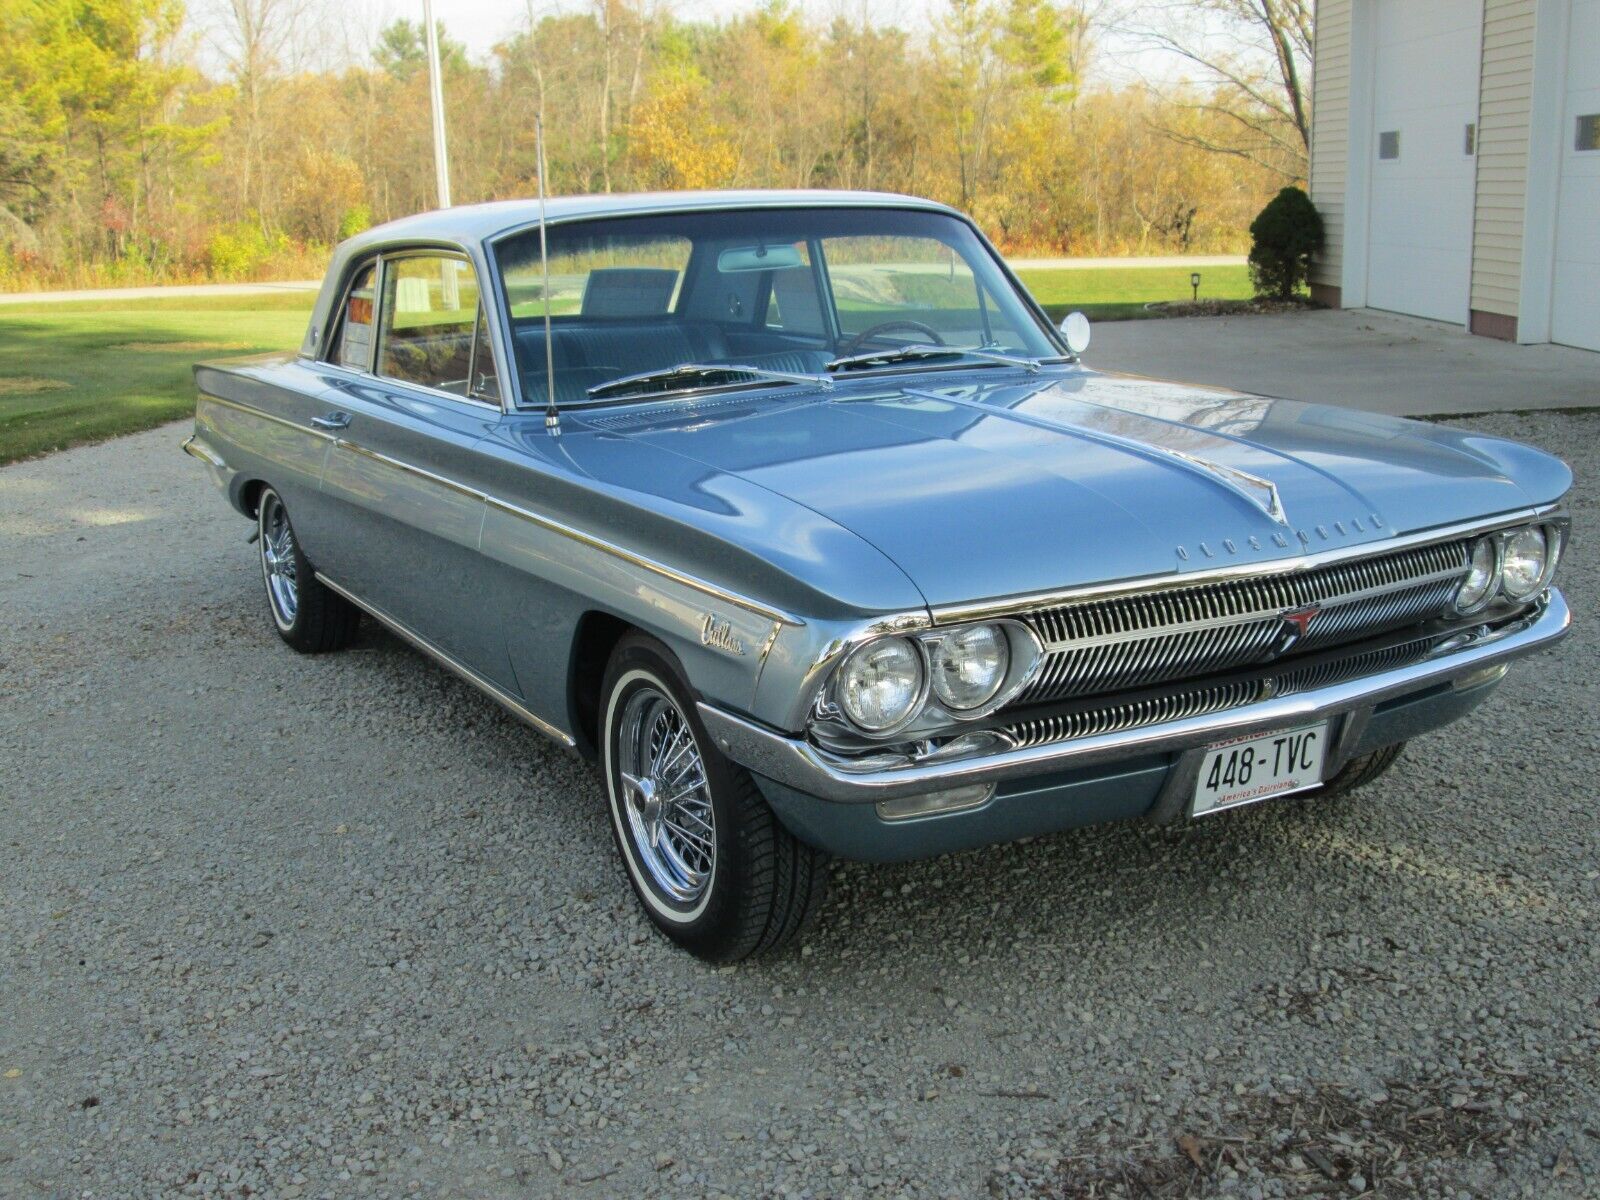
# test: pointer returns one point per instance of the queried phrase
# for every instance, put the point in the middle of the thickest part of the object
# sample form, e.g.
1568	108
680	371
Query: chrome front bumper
798	764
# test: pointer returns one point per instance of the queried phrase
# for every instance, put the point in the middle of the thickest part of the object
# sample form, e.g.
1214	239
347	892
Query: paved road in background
337	927
164	292
247	289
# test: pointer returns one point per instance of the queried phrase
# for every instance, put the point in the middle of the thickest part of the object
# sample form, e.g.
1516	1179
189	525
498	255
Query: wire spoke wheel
278	560
665	797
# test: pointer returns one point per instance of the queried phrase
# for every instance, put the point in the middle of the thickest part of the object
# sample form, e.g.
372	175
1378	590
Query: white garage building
1455	158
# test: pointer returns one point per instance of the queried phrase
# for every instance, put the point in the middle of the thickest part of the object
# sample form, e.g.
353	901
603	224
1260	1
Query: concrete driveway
1353	357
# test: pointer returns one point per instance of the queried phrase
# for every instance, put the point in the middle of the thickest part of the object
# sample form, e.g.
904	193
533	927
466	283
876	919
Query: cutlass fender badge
719	635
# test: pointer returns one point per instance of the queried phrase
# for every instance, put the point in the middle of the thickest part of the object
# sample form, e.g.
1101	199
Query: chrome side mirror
1075	328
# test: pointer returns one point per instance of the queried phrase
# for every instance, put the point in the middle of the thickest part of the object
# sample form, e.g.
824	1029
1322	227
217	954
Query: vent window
1389	144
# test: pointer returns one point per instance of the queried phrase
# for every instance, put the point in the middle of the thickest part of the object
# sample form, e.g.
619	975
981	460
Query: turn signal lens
969	665
1482	576
880	684
1523	562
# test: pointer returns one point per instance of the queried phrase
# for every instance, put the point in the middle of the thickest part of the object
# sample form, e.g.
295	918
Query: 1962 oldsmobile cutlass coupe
795	511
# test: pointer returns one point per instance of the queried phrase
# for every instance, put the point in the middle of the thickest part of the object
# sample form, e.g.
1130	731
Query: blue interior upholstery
628	291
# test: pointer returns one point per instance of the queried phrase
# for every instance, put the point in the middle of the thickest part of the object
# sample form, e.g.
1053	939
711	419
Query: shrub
1284	238
356	219
237	251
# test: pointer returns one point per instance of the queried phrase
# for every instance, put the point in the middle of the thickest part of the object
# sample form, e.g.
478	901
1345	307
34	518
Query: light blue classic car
795	512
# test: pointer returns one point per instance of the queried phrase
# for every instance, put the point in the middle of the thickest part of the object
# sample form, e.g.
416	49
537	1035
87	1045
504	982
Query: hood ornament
1262	493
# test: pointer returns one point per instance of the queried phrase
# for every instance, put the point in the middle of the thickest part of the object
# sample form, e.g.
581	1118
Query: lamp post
1194	283
441	159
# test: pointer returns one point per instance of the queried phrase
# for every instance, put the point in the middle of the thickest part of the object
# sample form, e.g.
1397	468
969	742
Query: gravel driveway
279	926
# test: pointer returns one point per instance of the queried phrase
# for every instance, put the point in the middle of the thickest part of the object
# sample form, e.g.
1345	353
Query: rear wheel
711	864
308	614
1359	772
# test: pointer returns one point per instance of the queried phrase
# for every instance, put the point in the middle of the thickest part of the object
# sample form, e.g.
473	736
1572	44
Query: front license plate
1248	769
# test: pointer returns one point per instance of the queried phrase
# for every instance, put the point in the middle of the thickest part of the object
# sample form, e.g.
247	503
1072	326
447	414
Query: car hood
984	489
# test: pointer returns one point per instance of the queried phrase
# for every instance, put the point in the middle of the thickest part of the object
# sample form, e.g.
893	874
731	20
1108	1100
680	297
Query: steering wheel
866	335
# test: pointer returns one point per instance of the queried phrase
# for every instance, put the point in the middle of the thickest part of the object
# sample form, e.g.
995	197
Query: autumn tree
1253	60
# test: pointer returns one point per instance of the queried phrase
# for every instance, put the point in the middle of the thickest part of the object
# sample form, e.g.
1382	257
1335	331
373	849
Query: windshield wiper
915	352
692	371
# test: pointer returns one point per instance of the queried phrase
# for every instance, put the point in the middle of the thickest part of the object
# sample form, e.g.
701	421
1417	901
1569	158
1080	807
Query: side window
352	345
430	323
485	382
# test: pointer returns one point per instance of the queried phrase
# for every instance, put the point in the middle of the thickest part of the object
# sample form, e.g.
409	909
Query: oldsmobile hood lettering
996	489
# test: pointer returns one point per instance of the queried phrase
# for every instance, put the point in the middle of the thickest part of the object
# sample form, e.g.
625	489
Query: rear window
597	277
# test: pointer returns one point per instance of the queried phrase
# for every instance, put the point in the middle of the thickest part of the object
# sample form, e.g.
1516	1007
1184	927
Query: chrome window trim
388	381
978	610
375	261
492	242
380	259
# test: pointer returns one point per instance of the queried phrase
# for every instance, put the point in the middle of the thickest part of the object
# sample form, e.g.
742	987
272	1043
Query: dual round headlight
880	684
1517	565
1523	560
883	684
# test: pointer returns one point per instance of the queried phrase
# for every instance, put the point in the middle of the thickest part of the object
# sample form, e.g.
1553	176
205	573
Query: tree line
143	141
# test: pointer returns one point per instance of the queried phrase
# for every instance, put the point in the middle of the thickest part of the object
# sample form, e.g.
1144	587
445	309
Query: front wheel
715	870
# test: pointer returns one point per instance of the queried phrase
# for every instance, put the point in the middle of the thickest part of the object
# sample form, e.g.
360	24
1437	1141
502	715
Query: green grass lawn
1120	293
83	371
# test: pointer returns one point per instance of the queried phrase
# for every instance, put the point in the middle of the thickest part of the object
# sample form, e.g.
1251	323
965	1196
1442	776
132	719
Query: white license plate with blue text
1254	768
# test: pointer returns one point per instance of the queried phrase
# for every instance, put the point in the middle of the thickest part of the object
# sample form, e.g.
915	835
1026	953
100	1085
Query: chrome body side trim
1017	605
399	465
800	765
207	398
649	564
195	448
495	693
639	560
577	535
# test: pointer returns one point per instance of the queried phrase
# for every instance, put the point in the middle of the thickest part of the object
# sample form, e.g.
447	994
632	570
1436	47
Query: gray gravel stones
289	927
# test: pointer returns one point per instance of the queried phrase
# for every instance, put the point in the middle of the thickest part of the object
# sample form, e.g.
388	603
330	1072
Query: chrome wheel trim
278	561
660	798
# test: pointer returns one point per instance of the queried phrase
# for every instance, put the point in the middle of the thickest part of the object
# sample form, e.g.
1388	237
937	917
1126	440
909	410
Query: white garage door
1575	291
1425	95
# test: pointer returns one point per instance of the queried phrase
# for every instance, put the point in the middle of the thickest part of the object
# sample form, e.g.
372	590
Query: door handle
334	420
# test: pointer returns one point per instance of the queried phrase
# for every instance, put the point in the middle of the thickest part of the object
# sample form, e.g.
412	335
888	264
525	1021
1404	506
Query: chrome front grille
1089	720
1152	637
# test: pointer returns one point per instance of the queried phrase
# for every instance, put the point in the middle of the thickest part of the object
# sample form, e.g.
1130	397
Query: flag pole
441	158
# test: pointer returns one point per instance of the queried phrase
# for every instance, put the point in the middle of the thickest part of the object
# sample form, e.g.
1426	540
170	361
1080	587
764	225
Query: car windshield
781	292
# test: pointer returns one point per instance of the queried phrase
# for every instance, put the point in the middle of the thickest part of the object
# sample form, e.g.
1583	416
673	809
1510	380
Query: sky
482	23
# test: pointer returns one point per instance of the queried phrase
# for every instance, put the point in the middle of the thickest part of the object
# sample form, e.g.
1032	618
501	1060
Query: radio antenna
552	415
